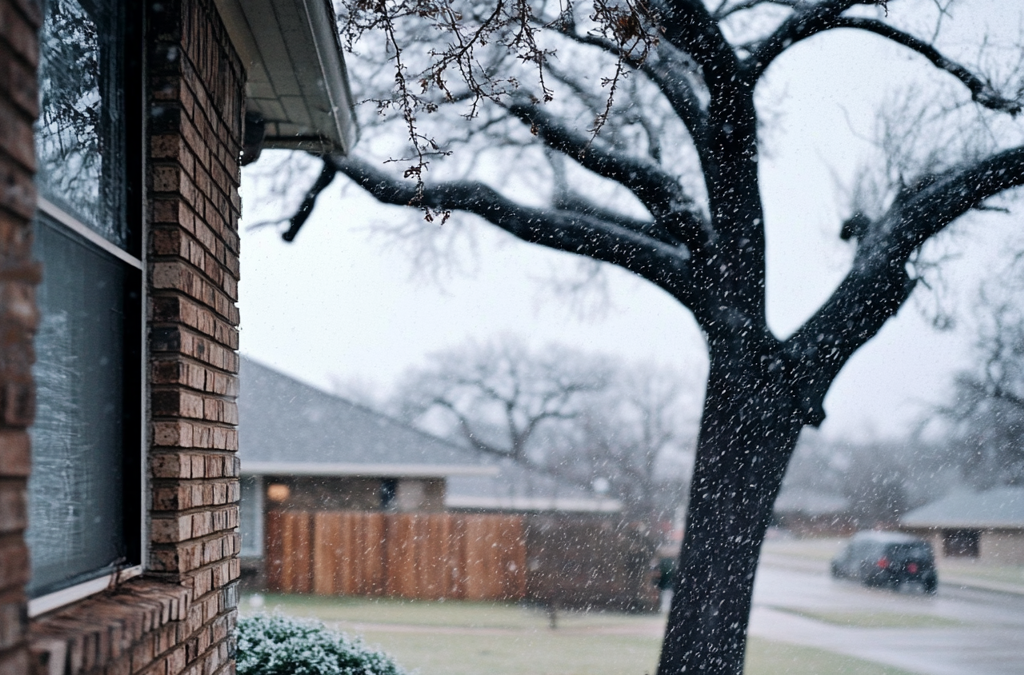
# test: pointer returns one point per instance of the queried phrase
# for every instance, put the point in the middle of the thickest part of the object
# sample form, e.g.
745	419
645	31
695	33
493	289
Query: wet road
972	632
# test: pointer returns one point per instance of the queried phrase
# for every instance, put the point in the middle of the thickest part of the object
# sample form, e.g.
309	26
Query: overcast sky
336	303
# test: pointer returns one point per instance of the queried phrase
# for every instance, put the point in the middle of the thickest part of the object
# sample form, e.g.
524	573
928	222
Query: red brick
15	457
13	562
13	506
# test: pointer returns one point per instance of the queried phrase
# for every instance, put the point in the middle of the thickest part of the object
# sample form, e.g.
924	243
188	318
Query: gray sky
337	303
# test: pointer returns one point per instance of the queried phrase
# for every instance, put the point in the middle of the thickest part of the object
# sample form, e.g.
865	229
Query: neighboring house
988	525
340	499
121	130
305	449
806	511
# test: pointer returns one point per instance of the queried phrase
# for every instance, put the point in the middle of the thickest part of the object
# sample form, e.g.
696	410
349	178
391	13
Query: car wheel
931	586
836	572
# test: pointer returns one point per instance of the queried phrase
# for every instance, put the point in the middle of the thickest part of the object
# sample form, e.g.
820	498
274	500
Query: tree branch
723	11
668	72
469	434
657	190
826	16
660	263
690	28
878	283
917	216
806	21
982	92
688	234
296	222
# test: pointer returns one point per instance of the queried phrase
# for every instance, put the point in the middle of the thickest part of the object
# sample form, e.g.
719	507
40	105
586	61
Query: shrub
278	645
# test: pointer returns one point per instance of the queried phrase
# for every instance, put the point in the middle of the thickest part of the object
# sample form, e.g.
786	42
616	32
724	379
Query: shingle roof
810	502
1001	507
287	427
287	423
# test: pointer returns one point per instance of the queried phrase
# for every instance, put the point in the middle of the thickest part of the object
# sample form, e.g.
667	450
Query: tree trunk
748	431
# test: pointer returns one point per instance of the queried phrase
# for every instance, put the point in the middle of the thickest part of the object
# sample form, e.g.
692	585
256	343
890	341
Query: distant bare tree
881	479
585	419
500	394
636	434
987	411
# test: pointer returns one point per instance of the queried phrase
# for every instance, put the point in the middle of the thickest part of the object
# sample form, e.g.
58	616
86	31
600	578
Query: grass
472	638
875	619
458	614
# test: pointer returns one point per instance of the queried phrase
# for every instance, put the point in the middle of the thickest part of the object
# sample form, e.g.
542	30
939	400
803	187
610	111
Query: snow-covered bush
278	645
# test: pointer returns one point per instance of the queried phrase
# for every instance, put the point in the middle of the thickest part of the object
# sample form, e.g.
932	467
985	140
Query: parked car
889	559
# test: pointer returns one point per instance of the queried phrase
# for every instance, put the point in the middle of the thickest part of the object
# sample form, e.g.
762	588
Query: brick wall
19	21
178	617
195	126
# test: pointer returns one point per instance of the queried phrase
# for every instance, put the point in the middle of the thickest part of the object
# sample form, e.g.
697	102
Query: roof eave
297	81
565	504
249	468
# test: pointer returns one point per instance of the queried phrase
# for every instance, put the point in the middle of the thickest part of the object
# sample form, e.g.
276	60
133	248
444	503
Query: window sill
104	628
53	601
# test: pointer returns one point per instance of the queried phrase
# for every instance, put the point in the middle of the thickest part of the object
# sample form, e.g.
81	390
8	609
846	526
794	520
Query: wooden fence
421	556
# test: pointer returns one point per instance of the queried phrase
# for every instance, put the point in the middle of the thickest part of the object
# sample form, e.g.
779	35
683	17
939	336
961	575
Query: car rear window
909	551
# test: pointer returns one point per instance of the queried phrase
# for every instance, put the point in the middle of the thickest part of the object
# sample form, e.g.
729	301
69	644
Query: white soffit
532	504
383	470
296	72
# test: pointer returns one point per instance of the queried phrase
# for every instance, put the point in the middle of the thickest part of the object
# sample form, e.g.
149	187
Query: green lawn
470	638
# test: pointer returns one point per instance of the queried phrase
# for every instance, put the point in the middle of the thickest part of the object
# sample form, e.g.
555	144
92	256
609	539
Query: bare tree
650	111
498	396
586	419
635	436
986	414
880	479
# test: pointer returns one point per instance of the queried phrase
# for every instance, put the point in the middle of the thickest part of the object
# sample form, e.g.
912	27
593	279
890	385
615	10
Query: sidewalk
964	581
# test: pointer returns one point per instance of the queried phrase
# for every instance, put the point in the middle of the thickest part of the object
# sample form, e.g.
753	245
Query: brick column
196	110
19	54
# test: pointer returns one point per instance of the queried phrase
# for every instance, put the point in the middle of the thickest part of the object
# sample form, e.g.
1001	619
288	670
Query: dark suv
887	559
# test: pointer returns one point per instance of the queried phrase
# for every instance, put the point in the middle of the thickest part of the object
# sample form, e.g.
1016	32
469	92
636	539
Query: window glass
250	516
80	132
904	552
83	514
76	489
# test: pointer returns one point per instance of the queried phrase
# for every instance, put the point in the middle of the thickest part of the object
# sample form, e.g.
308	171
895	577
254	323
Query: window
960	543
85	509
250	516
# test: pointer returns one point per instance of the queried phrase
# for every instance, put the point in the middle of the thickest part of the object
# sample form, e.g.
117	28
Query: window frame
134	453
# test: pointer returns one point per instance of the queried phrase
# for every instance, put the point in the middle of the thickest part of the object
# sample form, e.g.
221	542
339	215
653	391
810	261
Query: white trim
255	548
72	223
352	469
65	596
322	25
533	504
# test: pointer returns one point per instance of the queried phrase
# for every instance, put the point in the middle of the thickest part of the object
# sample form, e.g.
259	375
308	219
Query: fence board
275	552
328	551
373	532
406	555
298	568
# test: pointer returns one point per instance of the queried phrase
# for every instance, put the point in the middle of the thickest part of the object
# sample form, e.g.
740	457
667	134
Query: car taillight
882	563
912	568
